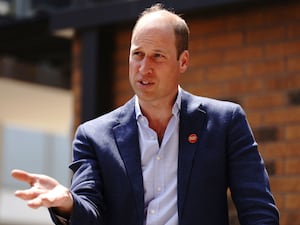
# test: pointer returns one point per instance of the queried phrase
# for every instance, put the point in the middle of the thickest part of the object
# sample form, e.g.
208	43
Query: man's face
154	68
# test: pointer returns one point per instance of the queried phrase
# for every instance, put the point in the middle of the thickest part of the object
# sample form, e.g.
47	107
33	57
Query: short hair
181	29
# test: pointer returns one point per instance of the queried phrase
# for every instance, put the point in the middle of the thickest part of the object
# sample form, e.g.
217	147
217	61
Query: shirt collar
175	109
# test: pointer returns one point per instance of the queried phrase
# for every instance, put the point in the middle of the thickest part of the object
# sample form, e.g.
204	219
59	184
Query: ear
184	61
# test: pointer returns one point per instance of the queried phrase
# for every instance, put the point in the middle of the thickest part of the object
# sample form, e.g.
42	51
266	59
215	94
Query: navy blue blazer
107	184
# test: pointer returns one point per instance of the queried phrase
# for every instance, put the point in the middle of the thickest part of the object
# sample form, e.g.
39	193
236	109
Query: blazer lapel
126	135
192	119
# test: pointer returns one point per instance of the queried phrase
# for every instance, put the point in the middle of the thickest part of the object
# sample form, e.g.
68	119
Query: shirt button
152	211
158	189
157	158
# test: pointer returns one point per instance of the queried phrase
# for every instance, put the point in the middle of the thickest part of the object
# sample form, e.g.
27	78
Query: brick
289	217
284	184
293	64
243	87
280	149
293	31
294	97
263	16
285	82
265	68
282	116
270	167
264	35
193	76
282	49
123	37
292	202
245	20
279	198
197	44
283	13
121	56
218	41
254	117
292	166
206	58
245	54
207	90
122	98
225	73
265	101
292	132
264	134
280	168
121	71
121	85
207	26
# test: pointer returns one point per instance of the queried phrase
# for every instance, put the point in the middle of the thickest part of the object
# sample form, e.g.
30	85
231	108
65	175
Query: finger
46	200
35	203
28	194
25	196
22	175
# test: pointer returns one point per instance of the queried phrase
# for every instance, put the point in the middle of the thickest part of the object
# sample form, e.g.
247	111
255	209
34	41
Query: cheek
133	66
132	72
173	78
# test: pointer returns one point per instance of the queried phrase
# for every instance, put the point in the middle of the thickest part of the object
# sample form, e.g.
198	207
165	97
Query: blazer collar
126	135
192	120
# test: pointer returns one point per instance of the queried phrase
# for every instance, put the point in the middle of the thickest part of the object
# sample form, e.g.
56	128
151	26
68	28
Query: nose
146	66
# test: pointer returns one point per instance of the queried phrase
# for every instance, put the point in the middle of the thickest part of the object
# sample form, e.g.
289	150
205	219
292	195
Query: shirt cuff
63	220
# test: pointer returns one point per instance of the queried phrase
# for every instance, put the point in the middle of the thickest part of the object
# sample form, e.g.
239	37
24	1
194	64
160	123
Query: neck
158	117
158	114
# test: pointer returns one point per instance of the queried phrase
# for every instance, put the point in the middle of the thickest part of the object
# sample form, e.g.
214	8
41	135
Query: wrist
66	206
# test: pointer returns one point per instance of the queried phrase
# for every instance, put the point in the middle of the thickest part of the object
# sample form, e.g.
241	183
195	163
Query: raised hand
44	191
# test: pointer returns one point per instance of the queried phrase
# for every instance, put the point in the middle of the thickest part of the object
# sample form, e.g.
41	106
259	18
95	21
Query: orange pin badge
193	138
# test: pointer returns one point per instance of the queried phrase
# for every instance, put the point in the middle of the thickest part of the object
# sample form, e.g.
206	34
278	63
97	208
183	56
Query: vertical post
76	79
92	74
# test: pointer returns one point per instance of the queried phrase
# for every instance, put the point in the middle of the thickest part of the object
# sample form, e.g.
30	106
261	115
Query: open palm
43	191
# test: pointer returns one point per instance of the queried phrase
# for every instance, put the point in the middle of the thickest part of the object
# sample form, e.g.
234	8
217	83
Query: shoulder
209	105
218	114
109	120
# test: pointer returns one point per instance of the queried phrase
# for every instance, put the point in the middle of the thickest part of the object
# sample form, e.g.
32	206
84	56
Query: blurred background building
65	62
36	112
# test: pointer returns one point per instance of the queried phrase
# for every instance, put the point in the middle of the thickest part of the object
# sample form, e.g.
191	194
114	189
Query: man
166	157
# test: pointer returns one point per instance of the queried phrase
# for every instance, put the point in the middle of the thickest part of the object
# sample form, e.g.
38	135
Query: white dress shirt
159	167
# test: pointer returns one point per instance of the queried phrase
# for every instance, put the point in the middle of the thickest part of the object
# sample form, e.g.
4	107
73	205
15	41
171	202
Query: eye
159	57
138	54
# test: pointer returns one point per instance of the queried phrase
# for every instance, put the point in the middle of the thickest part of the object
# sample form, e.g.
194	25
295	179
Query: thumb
22	175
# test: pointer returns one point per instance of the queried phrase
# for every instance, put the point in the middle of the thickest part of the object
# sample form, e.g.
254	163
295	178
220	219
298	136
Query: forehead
160	19
155	28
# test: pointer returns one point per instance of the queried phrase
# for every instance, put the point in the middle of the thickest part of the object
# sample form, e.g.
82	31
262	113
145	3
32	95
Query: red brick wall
252	57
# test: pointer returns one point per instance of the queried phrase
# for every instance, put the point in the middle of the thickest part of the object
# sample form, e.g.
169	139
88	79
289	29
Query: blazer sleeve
248	178
86	183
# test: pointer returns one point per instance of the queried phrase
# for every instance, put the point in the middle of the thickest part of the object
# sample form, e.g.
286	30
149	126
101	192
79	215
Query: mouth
143	82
